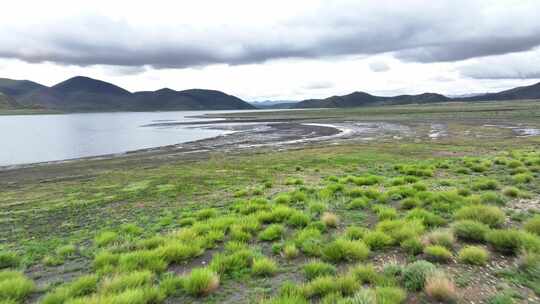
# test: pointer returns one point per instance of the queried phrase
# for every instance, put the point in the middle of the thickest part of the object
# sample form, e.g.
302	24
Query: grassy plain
412	220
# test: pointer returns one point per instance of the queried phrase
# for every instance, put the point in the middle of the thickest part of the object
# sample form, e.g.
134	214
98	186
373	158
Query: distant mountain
87	94
80	94
194	99
359	99
7	102
525	92
18	88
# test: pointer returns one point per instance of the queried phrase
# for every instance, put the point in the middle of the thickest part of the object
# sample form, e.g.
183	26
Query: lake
40	138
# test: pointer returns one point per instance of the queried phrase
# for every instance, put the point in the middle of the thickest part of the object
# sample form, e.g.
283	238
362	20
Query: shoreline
191	146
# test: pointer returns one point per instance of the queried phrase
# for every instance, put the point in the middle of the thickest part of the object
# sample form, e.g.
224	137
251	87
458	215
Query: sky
276	50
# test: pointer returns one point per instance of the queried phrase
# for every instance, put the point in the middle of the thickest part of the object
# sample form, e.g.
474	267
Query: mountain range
86	94
81	94
358	99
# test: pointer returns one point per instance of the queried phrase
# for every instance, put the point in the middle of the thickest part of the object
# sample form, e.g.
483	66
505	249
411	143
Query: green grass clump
410	203
264	266
523	178
283	199
345	250
14	286
485	184
428	218
299	220
489	215
80	287
415	274
122	282
390	295
52	260
298	196
290	251
384	212
469	230
505	241
205	214
532	225
9	260
131	229
141	260
325	285
320	286
412	246
501	298
232	263
175	252
401	230
377	240
473	255
512	192
358	203
201	282
272	232
441	237
492	198
317	207
139	295
106	238
309	241
366	274
316	269
171	285
66	251
355	232
438	253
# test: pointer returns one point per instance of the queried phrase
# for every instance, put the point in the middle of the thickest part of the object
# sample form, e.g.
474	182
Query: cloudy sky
276	50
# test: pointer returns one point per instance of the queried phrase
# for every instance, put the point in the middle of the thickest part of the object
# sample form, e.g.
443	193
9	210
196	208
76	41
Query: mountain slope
359	99
87	94
195	99
18	88
80	93
525	92
7	102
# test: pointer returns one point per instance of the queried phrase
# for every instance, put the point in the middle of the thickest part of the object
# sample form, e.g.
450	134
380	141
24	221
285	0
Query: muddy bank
249	135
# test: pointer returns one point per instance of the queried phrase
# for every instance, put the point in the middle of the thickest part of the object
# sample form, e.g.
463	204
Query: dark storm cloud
421	31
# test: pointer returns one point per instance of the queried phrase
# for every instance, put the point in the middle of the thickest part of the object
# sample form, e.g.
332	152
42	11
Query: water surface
40	138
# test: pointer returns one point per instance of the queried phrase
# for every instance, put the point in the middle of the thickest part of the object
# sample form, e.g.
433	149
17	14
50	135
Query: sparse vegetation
345	224
489	215
201	282
473	255
437	253
441	288
415	275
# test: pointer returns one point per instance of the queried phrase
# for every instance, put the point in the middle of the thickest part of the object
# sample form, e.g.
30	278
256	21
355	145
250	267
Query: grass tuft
473	255
14	286
264	266
201	282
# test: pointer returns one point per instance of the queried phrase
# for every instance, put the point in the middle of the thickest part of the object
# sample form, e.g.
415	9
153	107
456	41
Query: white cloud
523	65
278	49
378	66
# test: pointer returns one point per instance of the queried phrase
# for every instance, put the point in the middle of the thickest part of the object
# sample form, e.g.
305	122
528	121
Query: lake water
39	138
